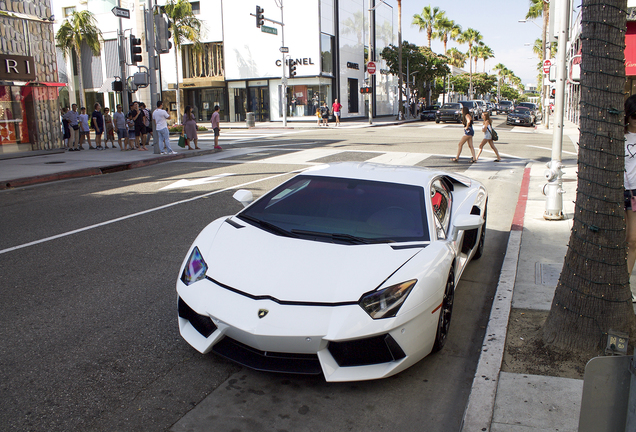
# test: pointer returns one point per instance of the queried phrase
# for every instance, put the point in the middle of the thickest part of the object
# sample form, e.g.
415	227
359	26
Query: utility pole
283	78
371	58
553	190
122	63
152	66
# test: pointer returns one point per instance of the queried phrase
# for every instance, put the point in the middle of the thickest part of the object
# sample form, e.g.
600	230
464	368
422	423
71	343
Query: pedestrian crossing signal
364	90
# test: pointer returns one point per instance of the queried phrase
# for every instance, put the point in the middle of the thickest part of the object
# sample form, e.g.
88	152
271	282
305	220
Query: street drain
54	162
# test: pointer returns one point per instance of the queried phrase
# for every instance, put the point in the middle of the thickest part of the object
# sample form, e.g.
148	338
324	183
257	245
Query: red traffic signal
364	90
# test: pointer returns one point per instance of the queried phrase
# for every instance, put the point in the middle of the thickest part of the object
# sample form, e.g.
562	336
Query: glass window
326	49
352	91
317	207
68	11
196	7
441	201
304	100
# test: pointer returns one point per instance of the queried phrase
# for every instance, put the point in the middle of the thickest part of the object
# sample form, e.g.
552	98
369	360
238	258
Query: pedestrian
66	133
147	123
487	130
140	129
190	128
130	124
85	132
318	116
97	121
119	124
159	118
324	113
467	120
72	117
216	121
336	111
109	128
630	185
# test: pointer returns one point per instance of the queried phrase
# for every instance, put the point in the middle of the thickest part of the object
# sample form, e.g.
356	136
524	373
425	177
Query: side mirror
243	196
465	223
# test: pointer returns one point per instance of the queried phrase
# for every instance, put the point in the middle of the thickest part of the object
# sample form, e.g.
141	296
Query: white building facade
240	66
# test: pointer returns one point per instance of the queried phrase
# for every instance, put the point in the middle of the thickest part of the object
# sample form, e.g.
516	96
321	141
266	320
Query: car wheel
482	238
445	313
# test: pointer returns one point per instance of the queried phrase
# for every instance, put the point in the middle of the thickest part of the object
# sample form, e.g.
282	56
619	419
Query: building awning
107	86
47	84
630	49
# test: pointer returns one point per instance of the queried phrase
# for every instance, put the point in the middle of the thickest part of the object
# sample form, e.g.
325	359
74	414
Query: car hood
259	263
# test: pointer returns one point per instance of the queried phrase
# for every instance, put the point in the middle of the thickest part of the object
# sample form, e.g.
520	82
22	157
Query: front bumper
522	121
341	342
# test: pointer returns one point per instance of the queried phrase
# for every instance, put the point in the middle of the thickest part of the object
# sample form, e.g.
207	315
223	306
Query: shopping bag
181	141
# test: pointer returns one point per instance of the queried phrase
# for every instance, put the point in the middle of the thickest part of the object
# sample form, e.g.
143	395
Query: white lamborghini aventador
347	270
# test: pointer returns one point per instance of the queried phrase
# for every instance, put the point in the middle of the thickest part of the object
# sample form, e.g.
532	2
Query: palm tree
79	28
457	58
427	20
446	29
485	53
541	8
470	37
502	72
185	27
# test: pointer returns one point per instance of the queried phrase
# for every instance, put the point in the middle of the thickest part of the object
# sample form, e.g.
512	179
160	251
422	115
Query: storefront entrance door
258	103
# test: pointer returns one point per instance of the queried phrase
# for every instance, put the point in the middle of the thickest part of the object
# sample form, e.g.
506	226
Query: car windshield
432	107
342	210
467	104
454	106
522	110
526	105
505	103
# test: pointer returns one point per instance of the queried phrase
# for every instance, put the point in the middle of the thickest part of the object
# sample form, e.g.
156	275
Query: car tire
445	313
482	237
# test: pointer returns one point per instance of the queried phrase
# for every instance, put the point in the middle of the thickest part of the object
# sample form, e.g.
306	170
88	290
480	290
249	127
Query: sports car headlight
195	268
386	302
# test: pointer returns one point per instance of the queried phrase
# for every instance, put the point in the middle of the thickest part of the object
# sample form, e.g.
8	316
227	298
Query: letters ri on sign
16	67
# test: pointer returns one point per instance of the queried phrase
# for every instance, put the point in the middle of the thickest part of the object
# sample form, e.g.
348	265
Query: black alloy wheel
445	313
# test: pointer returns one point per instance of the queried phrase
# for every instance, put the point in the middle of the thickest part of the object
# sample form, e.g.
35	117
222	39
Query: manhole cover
55	162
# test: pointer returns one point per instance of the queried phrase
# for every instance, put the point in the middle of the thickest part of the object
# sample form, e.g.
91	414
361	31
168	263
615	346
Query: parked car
492	108
346	270
520	116
449	112
428	113
473	107
538	115
483	106
505	107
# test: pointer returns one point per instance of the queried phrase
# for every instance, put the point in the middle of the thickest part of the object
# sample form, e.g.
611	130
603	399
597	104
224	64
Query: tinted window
366	209
505	103
522	110
452	106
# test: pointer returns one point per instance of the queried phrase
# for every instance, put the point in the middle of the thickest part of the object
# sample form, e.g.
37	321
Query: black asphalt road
88	318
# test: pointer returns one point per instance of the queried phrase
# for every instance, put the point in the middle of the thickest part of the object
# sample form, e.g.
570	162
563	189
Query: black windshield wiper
340	236
268	226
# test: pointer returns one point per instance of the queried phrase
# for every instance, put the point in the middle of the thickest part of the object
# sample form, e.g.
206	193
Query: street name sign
270	30
284	49
120	12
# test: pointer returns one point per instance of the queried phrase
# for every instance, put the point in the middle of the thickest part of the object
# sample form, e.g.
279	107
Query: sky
496	20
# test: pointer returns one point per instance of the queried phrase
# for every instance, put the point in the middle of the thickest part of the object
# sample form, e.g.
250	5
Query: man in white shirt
159	118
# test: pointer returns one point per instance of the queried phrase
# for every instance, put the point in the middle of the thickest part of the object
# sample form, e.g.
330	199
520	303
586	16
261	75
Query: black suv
505	107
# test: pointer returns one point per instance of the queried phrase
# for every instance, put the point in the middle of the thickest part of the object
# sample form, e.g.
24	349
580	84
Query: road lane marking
186	183
141	213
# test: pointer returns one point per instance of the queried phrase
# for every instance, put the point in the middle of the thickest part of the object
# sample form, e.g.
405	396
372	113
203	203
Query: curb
481	402
107	169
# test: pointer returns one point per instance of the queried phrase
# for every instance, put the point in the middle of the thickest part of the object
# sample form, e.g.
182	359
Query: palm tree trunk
80	79
400	106
178	96
470	65
592	296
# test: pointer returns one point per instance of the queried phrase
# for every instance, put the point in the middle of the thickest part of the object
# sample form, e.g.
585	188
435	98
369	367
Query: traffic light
553	93
162	33
364	90
292	68
260	19
117	85
135	49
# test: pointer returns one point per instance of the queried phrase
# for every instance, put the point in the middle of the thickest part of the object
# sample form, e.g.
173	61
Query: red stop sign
371	68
